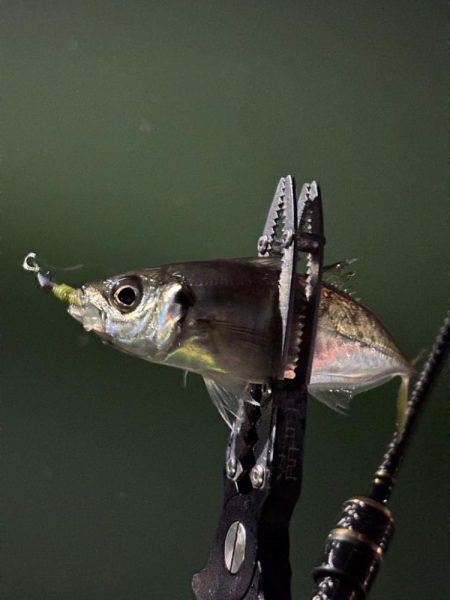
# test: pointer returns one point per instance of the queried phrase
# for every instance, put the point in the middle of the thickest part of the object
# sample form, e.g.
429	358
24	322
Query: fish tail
402	404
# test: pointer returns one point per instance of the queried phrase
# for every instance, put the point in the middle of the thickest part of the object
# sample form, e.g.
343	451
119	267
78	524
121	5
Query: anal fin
337	399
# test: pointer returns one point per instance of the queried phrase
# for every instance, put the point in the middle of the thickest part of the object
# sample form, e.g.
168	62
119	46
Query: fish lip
76	312
88	315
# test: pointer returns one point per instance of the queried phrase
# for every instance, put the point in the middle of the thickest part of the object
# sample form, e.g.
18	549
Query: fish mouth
88	315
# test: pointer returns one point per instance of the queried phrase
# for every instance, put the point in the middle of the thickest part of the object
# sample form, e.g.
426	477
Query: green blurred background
138	133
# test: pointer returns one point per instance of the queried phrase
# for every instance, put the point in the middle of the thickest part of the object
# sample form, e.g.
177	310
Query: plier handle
249	556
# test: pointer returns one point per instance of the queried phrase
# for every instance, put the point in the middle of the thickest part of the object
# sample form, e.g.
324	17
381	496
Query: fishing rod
357	544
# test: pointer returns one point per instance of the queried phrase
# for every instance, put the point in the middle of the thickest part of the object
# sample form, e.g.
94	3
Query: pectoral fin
228	395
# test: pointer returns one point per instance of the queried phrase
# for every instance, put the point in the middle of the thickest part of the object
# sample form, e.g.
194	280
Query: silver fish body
220	319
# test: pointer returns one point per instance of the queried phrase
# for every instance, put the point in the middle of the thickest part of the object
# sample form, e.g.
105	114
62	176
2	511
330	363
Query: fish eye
127	294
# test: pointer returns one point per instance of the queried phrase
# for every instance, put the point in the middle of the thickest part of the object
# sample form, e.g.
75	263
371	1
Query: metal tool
249	556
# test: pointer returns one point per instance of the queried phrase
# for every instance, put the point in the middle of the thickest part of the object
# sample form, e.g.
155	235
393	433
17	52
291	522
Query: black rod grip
354	550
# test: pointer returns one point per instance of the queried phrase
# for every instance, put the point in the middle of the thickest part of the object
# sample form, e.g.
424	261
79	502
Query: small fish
220	319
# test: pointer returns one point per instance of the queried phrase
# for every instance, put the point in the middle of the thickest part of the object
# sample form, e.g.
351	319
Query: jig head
62	291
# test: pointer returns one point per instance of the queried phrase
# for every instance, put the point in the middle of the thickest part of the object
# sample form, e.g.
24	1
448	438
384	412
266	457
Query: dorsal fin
338	275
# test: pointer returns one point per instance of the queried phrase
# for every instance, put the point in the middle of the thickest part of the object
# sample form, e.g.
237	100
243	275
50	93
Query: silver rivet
231	467
234	550
257	476
263	244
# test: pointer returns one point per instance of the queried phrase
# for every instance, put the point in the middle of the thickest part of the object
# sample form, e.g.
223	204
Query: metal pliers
249	556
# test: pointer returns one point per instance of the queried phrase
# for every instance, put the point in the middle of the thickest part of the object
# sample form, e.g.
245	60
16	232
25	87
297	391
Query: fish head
138	312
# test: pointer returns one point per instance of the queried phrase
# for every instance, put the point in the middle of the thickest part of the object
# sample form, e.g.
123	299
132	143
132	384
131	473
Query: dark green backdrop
137	133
